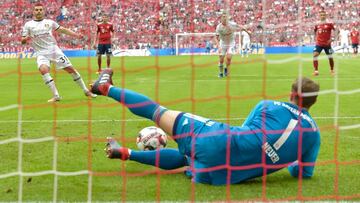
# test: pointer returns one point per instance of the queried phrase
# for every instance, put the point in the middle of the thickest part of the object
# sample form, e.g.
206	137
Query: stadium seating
153	24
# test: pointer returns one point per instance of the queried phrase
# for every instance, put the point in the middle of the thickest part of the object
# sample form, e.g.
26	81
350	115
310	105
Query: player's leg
250	50
221	65
247	48
99	63
142	106
137	103
78	80
354	49
108	60
164	158
242	51
44	68
230	51
108	55
62	62
316	53
100	51
228	63
222	52
329	52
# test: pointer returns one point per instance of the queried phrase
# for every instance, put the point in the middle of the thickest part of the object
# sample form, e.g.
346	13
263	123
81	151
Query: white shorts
57	57
344	44
246	45
226	49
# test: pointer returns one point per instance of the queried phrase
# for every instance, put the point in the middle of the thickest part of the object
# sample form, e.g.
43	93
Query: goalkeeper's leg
137	103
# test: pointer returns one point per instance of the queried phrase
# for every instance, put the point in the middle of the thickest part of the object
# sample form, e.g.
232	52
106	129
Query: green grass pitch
186	83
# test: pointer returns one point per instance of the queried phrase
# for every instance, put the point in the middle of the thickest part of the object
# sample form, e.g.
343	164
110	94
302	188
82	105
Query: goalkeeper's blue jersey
275	135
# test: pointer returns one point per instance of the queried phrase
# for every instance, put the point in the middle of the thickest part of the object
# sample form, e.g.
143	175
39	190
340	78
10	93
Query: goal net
54	152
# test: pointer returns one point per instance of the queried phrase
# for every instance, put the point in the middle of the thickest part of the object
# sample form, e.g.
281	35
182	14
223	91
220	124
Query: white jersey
344	36
40	32
226	33
245	37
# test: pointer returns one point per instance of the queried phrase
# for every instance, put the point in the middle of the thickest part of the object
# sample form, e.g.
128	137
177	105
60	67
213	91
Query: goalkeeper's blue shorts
206	143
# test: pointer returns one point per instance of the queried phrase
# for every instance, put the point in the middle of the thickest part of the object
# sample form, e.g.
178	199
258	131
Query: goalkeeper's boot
316	73
226	72
114	150
221	75
102	84
332	72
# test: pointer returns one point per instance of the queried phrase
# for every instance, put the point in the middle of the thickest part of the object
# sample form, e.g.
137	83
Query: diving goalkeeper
274	136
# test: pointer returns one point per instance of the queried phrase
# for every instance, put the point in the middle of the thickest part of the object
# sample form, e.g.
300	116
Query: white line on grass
142	119
41	173
296	58
255	79
5	108
43	139
348	127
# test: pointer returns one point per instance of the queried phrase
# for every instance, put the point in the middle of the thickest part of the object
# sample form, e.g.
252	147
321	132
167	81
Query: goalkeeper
274	136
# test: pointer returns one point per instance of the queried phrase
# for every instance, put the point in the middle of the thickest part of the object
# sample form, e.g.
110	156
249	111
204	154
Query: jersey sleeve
235	26
54	25
25	31
309	157
97	28
112	28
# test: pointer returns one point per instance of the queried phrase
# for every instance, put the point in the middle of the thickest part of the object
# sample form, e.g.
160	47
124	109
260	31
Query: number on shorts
63	59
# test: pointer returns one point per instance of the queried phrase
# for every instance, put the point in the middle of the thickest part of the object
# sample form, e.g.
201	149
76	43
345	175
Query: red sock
104	89
108	62
99	63
331	62
316	64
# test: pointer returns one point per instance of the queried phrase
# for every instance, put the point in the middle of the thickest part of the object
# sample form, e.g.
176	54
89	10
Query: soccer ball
151	138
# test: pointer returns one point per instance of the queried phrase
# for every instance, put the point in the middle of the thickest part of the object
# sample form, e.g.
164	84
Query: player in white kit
344	40
225	43
245	45
39	31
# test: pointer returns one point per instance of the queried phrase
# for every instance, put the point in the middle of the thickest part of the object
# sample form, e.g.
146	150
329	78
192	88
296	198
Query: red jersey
354	37
104	30
323	34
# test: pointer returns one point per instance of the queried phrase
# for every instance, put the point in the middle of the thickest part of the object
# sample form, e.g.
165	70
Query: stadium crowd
140	24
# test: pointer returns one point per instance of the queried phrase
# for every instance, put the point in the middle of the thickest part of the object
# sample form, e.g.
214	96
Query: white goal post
191	41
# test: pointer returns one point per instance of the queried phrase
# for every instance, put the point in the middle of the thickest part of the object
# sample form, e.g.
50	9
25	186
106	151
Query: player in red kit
103	41
323	42
354	35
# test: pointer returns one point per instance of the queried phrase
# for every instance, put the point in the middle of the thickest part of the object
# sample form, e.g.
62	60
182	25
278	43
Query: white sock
221	67
77	78
50	83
